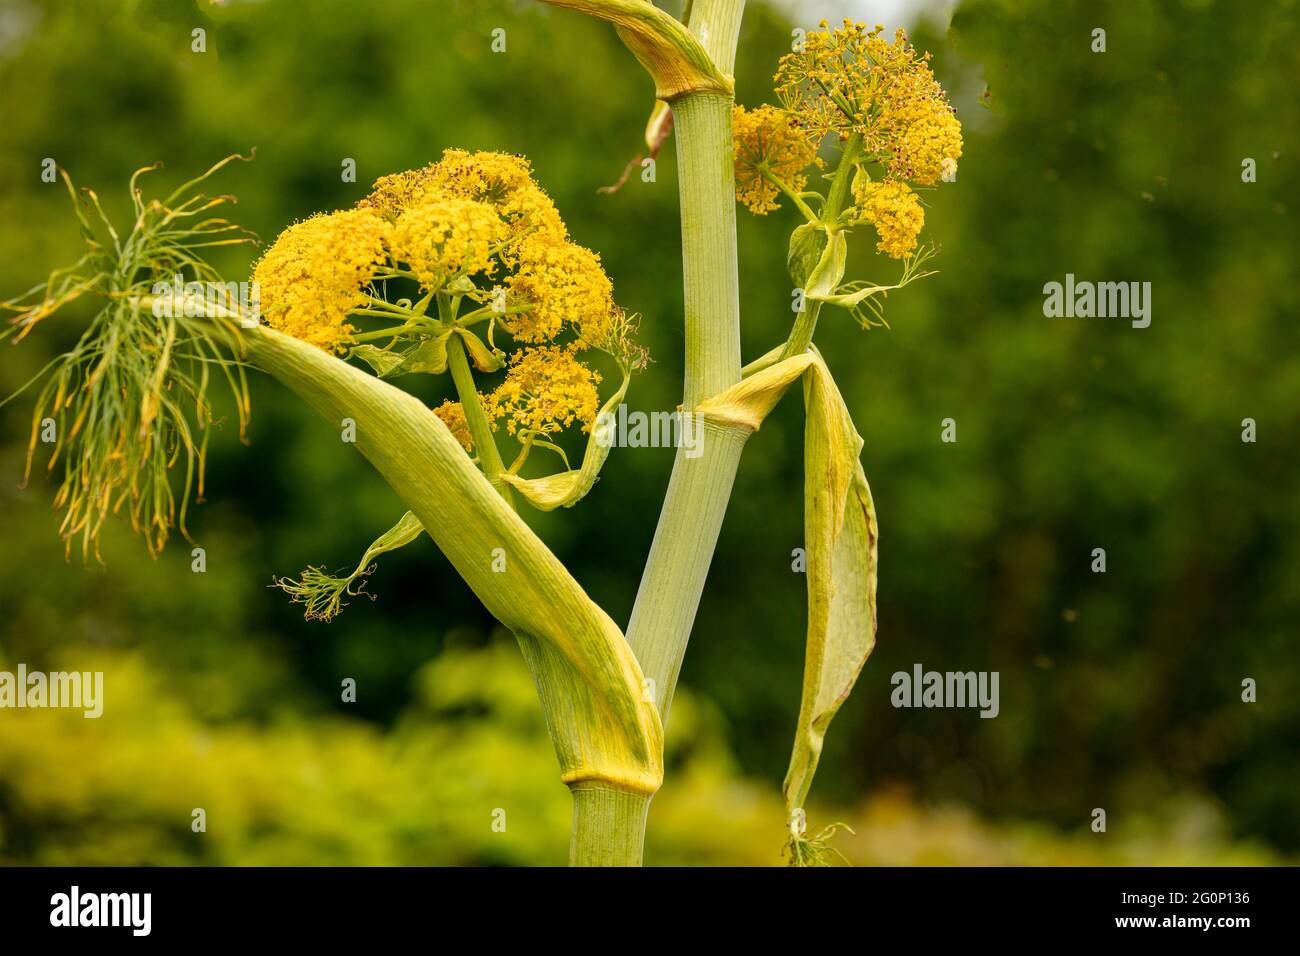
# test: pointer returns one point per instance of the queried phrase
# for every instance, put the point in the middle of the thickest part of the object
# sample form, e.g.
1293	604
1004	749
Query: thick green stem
717	24
479	428
680	556
700	487
608	827
710	288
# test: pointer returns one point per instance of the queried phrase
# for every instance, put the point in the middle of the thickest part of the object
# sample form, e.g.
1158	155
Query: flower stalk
480	428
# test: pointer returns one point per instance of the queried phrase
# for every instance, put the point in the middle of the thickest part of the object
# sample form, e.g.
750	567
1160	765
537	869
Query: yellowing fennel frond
840	538
605	733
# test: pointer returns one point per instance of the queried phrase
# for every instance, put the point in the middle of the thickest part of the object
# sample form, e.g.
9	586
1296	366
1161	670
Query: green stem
794	197
842	181
479	428
700	487
381	333
608	827
802	333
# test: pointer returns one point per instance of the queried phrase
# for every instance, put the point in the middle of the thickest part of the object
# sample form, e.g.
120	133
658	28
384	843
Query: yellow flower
441	235
895	211
397	192
500	180
560	282
849	80
506	183
453	416
546	389
316	273
766	141
928	144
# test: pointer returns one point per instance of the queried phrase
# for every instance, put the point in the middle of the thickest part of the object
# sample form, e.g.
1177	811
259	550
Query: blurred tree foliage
1119	690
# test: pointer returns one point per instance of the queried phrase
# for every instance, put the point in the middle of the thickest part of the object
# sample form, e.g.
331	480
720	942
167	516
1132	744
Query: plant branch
479	427
802	333
839	191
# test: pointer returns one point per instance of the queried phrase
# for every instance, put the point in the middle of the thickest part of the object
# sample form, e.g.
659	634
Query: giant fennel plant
465	267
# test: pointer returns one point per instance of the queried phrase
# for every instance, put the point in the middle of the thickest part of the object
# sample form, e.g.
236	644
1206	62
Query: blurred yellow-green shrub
469	754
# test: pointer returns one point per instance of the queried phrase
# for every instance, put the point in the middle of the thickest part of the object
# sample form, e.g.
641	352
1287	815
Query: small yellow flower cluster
397	192
926	142
500	180
850	80
440	236
766	141
506	183
453	416
895	211
546	389
315	274
562	282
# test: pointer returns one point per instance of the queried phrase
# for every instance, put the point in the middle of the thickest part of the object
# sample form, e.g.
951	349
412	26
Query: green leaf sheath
840	541
670	53
590	682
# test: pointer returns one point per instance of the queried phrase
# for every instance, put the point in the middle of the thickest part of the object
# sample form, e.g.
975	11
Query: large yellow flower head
441	236
766	141
561	283
317	271
895	211
546	389
850	80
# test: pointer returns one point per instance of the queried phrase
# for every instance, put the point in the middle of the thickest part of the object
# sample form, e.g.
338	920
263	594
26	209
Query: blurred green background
1118	690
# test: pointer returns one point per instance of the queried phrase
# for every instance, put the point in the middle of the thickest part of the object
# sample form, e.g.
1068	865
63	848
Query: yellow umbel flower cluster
316	273
559	282
442	224
547	388
453	416
490	256
850	80
440	236
895	211
767	144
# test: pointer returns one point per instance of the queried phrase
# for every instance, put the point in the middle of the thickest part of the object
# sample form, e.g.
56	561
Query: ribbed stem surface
608	827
